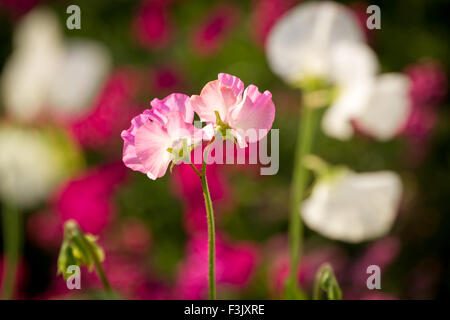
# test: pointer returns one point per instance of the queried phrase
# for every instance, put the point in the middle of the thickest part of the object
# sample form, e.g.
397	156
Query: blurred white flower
301	43
353	207
387	108
45	72
32	164
82	71
323	41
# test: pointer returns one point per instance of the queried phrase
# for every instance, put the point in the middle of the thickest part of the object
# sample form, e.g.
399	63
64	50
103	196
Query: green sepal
326	285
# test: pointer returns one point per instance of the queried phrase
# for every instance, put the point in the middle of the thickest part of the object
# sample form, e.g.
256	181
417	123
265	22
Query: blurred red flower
264	15
211	32
235	264
111	112
151	25
87	199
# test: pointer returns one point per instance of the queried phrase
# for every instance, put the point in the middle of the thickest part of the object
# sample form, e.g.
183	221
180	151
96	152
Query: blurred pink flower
381	253
111	111
187	186
129	236
429	83
151	25
157	136
235	264
238	110
378	296
264	15
309	264
429	86
45	229
165	79
209	36
16	8
87	199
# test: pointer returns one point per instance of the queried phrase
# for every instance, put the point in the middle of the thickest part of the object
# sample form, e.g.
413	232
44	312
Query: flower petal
215	97
175	102
354	207
257	111
352	100
298	45
151	143
233	82
388	107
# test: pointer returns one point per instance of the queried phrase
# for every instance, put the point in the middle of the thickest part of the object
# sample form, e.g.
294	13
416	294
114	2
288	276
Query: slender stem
12	234
98	266
211	230
300	178
196	170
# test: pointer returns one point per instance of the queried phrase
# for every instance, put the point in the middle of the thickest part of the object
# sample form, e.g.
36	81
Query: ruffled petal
215	97
256	112
175	102
130	157
151	143
233	82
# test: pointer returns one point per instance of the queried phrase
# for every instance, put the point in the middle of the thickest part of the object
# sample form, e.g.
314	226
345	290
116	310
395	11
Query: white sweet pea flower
45	72
387	107
301	43
353	207
32	164
83	69
322	41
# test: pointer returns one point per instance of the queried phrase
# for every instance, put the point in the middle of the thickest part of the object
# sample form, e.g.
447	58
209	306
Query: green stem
12	243
306	130
211	231
97	266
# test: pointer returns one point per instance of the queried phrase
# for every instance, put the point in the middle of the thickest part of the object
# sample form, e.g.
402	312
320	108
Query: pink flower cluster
165	133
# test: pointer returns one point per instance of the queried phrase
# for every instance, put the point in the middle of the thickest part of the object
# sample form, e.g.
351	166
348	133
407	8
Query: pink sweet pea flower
224	104
160	135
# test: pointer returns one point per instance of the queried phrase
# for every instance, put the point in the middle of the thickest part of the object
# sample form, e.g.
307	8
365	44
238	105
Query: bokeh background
153	232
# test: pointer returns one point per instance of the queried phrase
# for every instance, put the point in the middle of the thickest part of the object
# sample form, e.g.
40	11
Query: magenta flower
209	36
264	15
235	264
152	25
110	112
224	104
87	199
160	136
